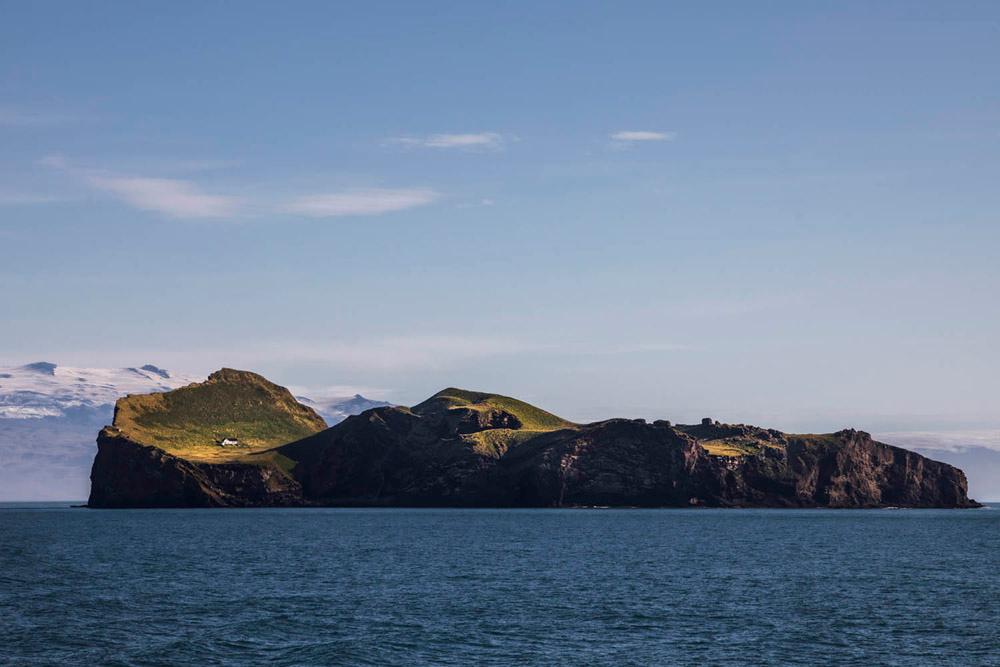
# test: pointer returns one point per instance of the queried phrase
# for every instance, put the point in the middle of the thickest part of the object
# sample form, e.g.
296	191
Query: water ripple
455	587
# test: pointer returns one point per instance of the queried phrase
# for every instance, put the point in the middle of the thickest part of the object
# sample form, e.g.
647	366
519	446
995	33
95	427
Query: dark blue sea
504	587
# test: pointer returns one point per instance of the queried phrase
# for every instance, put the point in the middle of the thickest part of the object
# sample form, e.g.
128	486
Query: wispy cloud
471	141
361	202
172	197
631	136
11	117
178	198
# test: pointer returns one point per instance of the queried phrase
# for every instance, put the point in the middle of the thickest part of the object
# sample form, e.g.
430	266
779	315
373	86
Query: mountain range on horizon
49	414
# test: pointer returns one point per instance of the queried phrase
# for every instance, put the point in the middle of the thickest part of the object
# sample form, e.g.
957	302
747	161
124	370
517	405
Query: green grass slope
189	421
531	418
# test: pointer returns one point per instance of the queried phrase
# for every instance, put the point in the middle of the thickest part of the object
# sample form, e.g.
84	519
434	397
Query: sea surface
498	587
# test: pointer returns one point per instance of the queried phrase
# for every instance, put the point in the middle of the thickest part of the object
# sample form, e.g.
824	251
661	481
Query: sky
784	213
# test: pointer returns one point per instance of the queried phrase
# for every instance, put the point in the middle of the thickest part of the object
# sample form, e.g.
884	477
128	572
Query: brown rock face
618	462
473	449
857	471
389	456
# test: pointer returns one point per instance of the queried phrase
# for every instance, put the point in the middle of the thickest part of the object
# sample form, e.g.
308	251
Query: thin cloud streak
172	197
178	198
473	141
362	202
642	135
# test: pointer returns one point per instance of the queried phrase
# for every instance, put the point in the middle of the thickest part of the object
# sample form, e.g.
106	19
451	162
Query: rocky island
238	440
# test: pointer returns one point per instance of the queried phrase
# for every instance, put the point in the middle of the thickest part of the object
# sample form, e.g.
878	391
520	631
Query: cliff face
468	449
129	474
388	457
203	445
856	471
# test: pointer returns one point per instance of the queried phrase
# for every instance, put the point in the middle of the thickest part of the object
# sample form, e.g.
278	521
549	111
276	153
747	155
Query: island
239	440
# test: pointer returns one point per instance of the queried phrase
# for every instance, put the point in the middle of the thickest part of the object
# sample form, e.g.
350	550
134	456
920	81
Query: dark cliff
204	445
478	450
393	457
129	474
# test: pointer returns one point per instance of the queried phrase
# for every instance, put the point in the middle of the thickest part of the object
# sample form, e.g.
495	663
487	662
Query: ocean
498	587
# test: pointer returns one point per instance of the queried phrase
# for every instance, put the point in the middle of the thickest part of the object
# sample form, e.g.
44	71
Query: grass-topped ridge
238	405
530	417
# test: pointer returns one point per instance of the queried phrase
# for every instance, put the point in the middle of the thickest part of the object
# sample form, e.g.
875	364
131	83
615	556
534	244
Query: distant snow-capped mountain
336	409
43	389
50	416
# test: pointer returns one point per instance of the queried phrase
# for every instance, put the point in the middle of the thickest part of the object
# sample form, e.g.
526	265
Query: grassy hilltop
190	421
506	422
530	417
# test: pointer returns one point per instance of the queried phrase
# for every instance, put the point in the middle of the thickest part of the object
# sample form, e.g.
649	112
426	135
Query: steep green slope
190	422
456	401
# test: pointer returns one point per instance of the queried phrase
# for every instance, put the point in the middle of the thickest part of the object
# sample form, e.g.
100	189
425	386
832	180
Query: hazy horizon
67	446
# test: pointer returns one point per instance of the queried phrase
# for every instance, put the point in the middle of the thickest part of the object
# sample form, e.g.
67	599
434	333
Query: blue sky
775	212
